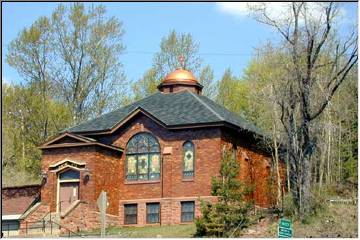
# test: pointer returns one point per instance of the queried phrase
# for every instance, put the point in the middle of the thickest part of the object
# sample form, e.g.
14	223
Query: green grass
175	231
338	220
335	221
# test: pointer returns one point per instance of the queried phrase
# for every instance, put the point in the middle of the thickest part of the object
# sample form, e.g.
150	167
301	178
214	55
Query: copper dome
179	80
180	76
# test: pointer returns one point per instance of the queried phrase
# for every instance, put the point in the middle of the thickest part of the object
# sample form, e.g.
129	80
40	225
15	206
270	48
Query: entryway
68	182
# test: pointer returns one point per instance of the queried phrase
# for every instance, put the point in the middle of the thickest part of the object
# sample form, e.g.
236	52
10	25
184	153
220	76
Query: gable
67	138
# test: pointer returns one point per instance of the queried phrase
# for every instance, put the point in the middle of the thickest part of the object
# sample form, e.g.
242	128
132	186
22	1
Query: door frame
65	181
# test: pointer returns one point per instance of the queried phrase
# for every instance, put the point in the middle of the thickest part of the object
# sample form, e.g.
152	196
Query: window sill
188	179
141	182
129	224
153	224
186	222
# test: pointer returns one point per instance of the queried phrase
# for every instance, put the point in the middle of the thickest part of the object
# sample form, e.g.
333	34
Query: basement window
187	211
130	211
153	212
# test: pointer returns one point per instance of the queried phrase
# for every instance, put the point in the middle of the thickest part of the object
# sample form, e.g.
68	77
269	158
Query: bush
289	206
229	214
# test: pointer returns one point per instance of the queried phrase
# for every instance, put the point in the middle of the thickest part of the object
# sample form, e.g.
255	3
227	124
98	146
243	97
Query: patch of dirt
261	229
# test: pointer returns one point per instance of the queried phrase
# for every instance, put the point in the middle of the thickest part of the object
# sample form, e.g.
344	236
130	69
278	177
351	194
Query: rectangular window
153	212
154	166
131	173
187	211
130	212
188	151
143	166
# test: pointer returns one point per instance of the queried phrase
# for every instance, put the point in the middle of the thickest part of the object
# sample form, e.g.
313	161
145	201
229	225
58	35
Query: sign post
285	228
102	203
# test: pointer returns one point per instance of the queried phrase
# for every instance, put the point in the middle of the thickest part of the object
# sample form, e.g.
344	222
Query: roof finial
182	61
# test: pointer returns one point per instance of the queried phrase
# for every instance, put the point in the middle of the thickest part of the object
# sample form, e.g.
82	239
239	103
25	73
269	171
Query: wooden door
69	192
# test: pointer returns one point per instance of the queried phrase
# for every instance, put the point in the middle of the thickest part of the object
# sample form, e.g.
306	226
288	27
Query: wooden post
8	230
26	228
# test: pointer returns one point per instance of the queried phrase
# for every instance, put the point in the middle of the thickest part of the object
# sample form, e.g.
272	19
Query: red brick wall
178	88
15	200
170	209
207	155
255	167
101	165
86	217
37	214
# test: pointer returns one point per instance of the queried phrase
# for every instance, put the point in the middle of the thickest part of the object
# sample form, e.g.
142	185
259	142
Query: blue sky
227	36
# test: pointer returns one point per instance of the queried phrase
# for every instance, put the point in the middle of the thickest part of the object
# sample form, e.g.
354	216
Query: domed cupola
180	80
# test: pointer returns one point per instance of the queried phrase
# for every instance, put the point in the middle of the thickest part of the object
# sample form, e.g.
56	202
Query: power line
202	54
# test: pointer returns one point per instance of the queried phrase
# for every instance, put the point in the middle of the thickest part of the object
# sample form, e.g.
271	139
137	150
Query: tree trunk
278	178
288	171
339	154
328	175
321	166
307	150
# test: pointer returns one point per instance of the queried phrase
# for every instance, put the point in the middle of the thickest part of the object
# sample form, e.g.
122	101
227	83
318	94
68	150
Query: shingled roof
175	109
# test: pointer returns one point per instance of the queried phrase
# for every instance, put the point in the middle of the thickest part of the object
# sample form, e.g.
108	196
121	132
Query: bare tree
314	46
74	57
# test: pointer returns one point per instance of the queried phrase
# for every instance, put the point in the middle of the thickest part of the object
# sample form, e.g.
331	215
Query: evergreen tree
229	214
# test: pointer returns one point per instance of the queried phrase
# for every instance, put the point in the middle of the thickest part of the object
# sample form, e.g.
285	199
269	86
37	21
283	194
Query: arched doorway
68	189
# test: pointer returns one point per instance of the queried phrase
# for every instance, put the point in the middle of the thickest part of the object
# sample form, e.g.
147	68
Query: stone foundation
170	209
86	217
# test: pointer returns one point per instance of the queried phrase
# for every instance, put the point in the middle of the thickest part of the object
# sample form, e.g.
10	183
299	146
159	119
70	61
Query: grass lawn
176	231
338	220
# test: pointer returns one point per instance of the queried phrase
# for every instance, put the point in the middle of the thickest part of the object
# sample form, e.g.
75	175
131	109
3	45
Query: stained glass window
154	166
188	149
143	158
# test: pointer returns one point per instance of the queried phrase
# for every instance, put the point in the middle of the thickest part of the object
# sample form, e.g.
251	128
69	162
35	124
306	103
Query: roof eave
65	145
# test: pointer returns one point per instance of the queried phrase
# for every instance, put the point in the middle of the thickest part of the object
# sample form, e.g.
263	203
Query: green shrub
289	206
229	214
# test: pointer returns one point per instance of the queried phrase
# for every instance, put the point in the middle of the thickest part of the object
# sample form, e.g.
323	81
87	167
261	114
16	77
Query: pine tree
229	214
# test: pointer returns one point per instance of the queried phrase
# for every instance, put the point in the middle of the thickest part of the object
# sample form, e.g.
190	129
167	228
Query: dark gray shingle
182	108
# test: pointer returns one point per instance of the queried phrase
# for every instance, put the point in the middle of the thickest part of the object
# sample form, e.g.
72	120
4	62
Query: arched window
143	158
189	156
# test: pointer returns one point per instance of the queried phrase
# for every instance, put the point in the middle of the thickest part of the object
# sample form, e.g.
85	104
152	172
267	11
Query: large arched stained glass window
143	158
189	156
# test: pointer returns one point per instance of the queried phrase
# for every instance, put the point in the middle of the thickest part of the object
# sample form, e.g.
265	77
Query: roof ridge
207	106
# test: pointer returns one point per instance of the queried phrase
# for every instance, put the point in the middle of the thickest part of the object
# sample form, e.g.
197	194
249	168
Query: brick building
155	158
15	202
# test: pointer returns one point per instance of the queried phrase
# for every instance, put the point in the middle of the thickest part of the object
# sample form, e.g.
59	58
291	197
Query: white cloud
242	9
275	10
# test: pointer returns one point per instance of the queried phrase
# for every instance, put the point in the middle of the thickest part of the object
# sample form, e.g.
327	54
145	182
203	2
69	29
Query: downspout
162	183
